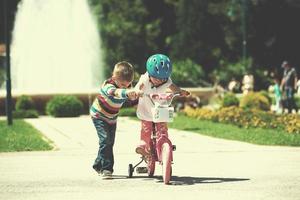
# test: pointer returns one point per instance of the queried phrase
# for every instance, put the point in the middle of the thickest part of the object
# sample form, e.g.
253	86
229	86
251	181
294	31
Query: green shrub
64	106
255	100
232	70
127	112
297	102
248	118
24	103
266	94
229	99
2	77
187	73
25	114
25	108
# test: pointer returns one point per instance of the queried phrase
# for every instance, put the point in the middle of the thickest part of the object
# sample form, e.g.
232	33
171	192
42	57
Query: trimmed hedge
25	114
255	100
230	99
64	106
25	108
25	102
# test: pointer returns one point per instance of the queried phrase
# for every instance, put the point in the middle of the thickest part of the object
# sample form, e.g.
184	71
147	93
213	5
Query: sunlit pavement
204	167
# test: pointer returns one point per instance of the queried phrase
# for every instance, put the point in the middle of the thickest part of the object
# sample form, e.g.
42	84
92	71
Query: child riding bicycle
156	80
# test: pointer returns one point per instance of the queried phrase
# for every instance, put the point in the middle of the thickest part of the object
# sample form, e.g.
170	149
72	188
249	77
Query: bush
64	106
248	118
254	100
228	70
297	102
127	112
2	77
229	99
25	108
24	103
187	73
266	94
25	114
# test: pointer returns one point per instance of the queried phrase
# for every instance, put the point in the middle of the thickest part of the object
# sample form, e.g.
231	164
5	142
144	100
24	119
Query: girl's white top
145	104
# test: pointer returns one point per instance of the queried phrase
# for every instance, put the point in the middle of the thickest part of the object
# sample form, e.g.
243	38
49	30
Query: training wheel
141	170
130	170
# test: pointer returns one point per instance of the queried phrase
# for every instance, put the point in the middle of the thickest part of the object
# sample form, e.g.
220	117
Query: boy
104	112
155	80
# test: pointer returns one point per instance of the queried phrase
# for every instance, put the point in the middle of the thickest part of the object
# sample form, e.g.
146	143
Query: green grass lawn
21	136
231	132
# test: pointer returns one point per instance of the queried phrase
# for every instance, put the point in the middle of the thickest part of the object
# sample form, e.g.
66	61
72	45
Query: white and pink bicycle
161	147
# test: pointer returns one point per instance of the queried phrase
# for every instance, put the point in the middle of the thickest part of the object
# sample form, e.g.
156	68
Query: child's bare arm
122	93
132	94
175	89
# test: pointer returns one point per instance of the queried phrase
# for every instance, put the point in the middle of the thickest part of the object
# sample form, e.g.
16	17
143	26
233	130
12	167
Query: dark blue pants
106	133
289	101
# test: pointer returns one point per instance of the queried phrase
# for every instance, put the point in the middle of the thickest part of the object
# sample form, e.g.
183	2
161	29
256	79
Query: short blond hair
124	71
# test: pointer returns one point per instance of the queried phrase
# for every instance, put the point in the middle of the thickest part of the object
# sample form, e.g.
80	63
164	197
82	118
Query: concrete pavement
204	167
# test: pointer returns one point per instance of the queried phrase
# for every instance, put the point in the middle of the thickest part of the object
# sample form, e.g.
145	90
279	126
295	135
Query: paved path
204	167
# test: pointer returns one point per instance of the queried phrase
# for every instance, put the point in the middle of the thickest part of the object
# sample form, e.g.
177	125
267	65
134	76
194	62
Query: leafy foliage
248	118
187	73
64	106
230	99
127	112
236	70
266	94
2	79
297	101
25	108
212	34
24	102
255	100
262	136
25	114
126	32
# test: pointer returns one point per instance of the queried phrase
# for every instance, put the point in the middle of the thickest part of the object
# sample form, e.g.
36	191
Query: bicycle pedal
174	147
141	170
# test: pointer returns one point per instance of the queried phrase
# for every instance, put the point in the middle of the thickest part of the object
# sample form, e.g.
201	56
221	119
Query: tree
205	33
125	30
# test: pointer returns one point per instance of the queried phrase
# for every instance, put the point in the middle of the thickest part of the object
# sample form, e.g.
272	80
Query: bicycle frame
161	147
156	144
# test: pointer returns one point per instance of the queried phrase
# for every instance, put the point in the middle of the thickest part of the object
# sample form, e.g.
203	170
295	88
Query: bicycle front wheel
166	162
151	166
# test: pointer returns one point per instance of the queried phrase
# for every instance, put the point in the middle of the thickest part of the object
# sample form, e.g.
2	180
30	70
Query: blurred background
227	53
208	41
71	46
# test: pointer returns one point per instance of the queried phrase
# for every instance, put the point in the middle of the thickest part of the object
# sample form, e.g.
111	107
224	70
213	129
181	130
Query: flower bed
248	118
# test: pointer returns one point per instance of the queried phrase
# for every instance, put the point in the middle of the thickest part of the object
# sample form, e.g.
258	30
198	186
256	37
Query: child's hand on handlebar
184	93
132	94
140	93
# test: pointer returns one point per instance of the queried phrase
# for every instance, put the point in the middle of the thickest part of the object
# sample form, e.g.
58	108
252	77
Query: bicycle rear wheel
166	162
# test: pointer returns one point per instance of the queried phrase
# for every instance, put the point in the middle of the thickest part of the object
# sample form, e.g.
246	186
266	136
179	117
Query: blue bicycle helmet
159	66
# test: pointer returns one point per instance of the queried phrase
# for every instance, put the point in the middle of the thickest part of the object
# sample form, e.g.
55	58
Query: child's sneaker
106	174
141	150
99	172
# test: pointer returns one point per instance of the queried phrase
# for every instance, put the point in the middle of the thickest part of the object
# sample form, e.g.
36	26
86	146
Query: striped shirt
108	102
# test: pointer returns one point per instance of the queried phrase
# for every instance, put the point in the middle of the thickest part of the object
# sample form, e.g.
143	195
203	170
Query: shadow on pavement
185	180
189	180
136	177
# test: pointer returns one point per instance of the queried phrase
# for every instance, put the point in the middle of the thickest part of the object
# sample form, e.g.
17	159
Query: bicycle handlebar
162	99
